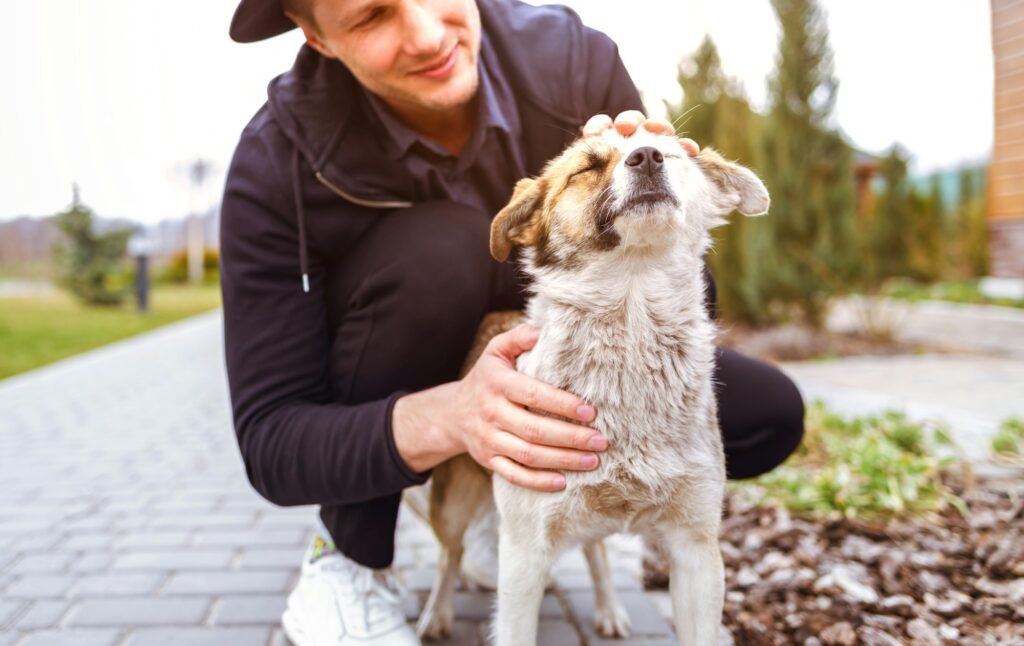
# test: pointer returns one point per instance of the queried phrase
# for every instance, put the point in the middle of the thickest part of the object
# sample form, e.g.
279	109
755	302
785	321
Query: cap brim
256	20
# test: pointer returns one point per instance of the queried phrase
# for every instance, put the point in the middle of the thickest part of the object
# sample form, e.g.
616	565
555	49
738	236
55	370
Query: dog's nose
646	160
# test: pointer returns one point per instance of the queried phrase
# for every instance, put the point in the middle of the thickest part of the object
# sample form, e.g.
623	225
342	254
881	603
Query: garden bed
950	578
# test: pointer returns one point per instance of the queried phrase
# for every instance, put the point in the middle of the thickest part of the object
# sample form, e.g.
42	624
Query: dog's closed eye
593	161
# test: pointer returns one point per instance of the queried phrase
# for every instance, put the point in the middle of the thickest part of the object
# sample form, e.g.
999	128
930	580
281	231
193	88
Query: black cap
256	20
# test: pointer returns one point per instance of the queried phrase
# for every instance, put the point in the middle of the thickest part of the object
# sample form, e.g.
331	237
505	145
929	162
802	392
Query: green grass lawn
38	330
954	291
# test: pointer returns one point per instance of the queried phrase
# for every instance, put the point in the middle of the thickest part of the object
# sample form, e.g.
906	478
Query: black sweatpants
410	311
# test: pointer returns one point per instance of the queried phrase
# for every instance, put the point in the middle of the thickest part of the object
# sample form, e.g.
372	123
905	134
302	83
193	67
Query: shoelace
379	593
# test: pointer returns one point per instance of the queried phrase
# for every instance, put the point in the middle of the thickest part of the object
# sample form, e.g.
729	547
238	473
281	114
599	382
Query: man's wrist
422	435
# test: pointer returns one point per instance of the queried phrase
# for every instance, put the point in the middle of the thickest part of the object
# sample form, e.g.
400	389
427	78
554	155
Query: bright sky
120	95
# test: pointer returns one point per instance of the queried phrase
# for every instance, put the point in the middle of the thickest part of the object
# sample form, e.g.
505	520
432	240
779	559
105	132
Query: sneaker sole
291	629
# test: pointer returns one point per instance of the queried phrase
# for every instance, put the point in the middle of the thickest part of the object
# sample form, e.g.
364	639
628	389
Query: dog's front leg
696	583
523	566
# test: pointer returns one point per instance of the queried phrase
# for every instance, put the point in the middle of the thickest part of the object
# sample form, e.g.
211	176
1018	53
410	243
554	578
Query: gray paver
117	584
107	637
556	632
143	539
186	559
42	614
199	637
39	586
464	633
89	541
138	612
91	563
251	609
257	559
645	619
7	610
38	563
280	537
473	606
253	582
218	519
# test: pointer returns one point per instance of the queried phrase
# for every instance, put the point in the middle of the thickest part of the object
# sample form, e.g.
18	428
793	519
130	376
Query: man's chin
452	95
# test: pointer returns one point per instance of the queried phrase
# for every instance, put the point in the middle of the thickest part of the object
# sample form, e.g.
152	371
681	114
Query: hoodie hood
317	103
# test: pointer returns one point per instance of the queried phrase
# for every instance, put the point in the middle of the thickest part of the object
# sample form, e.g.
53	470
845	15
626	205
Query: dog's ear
733	187
517	223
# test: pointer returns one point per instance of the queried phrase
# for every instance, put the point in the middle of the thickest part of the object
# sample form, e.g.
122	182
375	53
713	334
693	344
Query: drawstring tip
305	283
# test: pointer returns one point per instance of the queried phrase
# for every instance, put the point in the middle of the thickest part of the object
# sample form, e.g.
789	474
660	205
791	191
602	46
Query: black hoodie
307	178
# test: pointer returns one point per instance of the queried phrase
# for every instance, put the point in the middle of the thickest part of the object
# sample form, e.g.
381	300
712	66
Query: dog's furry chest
649	378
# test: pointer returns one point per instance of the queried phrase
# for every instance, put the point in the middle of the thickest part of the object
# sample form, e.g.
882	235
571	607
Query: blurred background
888	133
888	282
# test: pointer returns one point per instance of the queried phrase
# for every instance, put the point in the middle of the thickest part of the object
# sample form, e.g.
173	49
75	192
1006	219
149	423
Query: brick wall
1006	172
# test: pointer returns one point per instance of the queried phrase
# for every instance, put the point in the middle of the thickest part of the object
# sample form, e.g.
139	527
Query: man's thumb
516	341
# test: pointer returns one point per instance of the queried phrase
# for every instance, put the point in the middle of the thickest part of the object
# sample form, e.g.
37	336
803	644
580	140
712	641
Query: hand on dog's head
608	191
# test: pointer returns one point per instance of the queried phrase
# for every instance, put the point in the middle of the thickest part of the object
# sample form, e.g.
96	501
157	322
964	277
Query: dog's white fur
619	297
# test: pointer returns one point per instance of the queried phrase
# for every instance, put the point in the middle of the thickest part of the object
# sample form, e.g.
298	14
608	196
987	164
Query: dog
613	233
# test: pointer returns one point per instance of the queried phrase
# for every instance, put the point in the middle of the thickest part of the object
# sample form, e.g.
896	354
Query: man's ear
311	33
733	187
517	223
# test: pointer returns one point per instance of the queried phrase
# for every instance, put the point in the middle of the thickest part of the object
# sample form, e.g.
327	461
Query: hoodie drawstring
301	214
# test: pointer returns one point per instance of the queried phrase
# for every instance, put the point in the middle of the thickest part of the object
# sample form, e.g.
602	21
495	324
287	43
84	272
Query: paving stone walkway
126	518
972	394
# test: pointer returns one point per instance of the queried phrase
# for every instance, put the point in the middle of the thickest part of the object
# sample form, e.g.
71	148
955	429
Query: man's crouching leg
404	306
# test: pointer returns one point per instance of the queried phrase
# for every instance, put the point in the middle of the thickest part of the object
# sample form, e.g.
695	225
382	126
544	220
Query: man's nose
424	29
646	160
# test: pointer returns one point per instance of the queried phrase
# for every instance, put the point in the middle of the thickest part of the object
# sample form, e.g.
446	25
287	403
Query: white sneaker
338	602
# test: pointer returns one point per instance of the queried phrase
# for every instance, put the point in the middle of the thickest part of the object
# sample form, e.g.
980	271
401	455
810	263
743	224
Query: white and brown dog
613	233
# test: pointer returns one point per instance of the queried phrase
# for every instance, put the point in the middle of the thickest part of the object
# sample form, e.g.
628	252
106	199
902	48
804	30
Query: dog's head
610	192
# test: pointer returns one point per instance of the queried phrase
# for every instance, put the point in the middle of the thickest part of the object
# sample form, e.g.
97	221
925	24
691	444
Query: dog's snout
646	160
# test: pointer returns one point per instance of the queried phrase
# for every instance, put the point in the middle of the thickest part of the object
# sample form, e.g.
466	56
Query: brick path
126	518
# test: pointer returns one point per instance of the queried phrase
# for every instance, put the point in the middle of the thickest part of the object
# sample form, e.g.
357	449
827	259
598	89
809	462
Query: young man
355	270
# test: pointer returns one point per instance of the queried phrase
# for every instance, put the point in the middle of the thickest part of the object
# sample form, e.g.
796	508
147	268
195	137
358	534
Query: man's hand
497	430
628	122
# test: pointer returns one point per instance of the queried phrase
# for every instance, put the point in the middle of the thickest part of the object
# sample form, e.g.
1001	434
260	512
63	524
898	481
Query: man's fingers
538	429
627	122
690	146
659	126
534	393
511	344
530	478
596	125
538	456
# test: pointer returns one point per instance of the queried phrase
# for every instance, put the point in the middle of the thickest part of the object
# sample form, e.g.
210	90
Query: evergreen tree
891	221
702	81
807	249
972	226
927	229
89	260
716	114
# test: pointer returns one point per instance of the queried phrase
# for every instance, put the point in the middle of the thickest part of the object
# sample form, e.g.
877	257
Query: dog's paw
612	621
435	625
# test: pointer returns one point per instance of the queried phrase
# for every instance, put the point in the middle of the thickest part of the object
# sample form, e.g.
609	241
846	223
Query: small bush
176	270
865	467
1009	439
92	265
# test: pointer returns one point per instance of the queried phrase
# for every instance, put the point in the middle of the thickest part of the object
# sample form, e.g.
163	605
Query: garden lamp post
139	247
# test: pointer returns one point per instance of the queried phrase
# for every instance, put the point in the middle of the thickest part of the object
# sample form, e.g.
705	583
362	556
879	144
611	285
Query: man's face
415	54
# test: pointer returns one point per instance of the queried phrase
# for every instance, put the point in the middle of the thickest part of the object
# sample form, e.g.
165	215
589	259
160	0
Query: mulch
947	579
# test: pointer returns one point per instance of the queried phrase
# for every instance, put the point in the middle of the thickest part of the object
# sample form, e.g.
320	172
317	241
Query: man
355	270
